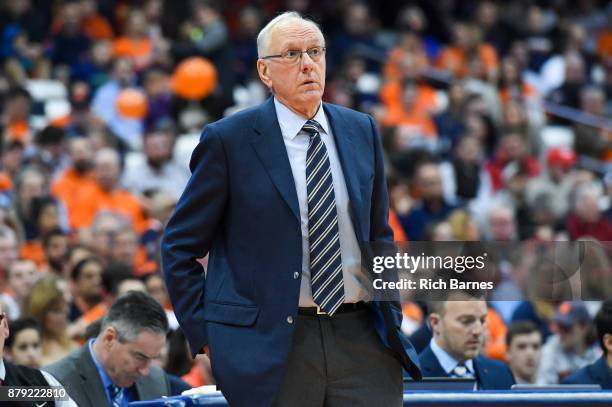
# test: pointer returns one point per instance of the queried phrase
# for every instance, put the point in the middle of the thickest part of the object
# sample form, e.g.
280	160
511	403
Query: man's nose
306	62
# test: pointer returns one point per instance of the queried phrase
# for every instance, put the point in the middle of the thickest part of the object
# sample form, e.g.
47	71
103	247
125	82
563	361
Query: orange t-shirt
33	251
398	231
495	347
66	188
454	59
92	199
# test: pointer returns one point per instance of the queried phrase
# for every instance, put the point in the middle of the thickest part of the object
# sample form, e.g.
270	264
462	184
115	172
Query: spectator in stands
31	183
56	247
432	205
154	283
524	343
118	361
107	194
15	120
47	305
572	348
45	217
23	345
589	140
599	372
557	182
69	43
103	103
126	249
587	220
76	177
86	290
459	326
19	375
135	44
157	170
21	278
8	252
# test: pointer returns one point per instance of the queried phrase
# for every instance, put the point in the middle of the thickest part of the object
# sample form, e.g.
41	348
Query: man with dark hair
115	367
459	325
599	372
524	349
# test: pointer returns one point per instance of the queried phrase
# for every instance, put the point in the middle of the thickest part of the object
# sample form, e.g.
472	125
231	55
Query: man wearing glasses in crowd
281	197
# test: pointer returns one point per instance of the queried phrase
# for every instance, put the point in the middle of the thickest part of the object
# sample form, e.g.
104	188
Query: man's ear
109	335
264	73
434	321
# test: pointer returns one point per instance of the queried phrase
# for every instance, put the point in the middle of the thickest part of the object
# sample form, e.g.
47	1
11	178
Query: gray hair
133	313
263	38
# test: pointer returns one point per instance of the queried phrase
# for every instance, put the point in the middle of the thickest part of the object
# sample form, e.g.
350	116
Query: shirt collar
106	380
448	362
291	123
2	369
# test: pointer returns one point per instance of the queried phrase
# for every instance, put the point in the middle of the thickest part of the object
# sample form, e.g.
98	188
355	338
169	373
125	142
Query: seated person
524	341
24	344
572	347
17	375
459	324
116	367
599	372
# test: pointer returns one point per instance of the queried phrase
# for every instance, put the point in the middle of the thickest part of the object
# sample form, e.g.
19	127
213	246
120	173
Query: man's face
81	153
460	331
429	182
298	85
56	251
22	277
107	172
524	354
157	148
26	349
8	252
127	362
571	336
89	283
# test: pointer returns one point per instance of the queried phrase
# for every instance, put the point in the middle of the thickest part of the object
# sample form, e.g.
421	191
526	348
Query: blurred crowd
494	116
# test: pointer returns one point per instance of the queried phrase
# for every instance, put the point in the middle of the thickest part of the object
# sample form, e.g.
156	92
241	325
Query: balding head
284	19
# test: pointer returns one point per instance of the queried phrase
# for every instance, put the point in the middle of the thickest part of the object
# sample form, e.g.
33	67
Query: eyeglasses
292	56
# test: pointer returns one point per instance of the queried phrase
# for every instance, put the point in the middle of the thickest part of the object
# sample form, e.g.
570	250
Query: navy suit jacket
596	373
240	206
490	374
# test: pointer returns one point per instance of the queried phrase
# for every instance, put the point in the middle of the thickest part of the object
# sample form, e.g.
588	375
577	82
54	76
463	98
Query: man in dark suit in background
599	372
281	197
459	327
115	368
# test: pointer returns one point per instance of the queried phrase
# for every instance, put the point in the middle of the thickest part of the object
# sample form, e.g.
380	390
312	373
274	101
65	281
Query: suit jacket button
290	319
296	275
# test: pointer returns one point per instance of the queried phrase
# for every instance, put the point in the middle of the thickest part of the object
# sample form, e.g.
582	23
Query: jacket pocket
231	314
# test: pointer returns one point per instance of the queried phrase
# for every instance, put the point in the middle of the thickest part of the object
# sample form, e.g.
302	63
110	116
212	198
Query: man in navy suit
459	326
599	372
283	197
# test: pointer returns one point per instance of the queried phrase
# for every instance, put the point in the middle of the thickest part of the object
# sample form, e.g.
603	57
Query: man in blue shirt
115	367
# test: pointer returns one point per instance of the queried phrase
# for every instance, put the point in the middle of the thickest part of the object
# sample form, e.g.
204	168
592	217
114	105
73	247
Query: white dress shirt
51	380
296	143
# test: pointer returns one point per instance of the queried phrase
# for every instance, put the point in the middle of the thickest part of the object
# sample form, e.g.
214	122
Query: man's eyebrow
140	354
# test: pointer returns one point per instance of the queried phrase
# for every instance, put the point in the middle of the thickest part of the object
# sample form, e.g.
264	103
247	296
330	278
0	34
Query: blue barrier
429	399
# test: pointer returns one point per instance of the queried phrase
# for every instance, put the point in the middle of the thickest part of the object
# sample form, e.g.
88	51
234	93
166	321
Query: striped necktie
323	237
116	393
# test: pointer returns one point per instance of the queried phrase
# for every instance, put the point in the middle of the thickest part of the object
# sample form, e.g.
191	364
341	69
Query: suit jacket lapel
430	365
91	380
268	143
348	154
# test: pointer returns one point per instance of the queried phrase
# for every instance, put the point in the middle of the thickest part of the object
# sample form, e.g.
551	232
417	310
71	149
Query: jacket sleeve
189	235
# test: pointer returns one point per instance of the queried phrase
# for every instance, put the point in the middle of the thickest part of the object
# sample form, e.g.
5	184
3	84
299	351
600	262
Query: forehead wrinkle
292	36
